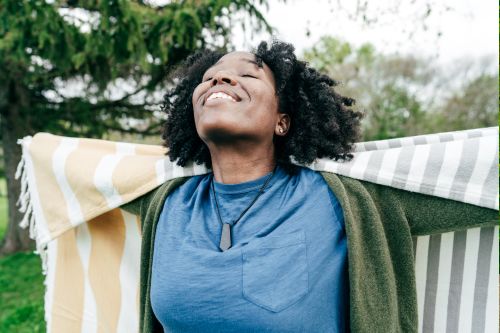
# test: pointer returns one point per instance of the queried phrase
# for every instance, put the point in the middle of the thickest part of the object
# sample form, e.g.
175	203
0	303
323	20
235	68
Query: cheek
267	105
196	95
198	91
196	101
265	97
269	101
275	102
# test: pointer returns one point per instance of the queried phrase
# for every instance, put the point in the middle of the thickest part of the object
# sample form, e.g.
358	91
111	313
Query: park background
99	68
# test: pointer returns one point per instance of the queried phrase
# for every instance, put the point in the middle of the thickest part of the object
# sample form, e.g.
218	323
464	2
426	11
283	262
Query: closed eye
249	75
207	79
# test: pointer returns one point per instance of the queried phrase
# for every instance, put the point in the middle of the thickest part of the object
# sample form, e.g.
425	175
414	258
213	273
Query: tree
390	90
403	95
113	55
474	105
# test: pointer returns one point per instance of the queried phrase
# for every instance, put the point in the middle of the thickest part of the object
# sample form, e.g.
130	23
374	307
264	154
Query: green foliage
473	105
91	67
394	113
93	47
328	53
380	84
21	294
403	95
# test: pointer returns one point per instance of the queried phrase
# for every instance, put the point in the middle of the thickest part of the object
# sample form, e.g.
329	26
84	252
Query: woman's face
236	100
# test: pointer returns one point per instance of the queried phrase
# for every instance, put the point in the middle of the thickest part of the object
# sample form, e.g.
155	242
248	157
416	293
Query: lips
221	94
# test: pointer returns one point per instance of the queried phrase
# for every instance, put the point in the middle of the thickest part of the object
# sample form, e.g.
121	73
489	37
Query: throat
235	171
238	164
240	174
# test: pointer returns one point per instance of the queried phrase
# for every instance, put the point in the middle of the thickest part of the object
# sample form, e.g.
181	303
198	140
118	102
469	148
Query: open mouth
220	95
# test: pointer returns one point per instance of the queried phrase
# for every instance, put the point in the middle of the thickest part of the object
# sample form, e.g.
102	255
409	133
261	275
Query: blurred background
94	68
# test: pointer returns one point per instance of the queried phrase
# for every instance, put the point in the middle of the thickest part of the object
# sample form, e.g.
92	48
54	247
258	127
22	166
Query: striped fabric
72	190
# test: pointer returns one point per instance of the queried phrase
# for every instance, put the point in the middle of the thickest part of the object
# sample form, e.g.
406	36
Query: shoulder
351	186
304	175
152	200
191	184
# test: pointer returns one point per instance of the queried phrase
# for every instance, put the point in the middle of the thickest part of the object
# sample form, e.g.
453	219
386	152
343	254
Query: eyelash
244	75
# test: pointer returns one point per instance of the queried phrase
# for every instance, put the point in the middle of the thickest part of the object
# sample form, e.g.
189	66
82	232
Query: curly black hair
322	122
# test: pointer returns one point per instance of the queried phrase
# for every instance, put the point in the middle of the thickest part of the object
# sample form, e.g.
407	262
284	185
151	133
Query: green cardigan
380	222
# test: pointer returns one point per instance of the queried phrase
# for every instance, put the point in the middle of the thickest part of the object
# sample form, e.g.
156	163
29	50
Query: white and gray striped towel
72	189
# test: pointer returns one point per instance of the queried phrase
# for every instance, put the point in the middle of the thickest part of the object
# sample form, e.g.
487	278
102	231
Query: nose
222	77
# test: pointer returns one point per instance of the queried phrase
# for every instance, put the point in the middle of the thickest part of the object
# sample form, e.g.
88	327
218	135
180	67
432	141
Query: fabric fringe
26	206
29	219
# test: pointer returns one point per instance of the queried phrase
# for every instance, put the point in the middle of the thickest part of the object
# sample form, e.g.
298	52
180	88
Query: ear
283	124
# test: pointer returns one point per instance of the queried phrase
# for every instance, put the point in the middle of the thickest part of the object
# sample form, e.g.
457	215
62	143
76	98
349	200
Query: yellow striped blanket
72	189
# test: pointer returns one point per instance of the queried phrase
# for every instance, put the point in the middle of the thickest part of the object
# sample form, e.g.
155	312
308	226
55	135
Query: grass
21	285
21	294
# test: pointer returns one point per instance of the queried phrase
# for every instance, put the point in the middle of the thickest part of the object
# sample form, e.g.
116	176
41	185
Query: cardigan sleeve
424	214
140	205
429	215
380	221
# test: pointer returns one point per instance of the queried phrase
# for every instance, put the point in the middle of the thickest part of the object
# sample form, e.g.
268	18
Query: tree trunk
12	127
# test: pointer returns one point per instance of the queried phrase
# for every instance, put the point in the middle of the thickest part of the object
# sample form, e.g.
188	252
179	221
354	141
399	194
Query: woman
260	244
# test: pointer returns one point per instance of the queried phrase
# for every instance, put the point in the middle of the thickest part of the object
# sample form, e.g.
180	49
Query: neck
233	165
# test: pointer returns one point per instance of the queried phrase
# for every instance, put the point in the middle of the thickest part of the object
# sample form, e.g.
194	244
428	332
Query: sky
468	28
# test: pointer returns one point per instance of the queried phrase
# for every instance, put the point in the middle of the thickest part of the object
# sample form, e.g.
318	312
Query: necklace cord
261	191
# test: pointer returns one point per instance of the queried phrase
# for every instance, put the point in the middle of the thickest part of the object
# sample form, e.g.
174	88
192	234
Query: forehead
237	57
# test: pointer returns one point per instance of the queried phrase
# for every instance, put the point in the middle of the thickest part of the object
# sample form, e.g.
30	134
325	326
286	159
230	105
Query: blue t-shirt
285	272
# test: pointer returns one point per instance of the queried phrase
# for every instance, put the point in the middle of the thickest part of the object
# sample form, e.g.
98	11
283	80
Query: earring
280	130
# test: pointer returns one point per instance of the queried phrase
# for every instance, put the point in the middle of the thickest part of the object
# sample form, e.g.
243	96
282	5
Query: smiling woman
246	115
260	243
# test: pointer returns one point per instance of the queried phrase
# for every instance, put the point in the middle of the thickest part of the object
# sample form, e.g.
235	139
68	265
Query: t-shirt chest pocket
275	273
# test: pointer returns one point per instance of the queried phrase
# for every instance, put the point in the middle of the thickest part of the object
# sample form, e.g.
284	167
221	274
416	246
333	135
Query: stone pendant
225	239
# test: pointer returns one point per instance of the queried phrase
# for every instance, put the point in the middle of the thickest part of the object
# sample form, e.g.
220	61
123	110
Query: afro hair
322	122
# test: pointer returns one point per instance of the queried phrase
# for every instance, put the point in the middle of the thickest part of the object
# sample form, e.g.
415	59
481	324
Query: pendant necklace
225	239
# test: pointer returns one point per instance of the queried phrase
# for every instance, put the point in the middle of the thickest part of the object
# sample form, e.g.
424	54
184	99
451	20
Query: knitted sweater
380	222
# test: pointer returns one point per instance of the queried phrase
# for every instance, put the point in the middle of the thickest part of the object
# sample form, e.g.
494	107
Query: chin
216	134
220	134
215	123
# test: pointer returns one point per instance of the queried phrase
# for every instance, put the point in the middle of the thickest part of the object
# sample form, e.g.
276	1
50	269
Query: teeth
220	95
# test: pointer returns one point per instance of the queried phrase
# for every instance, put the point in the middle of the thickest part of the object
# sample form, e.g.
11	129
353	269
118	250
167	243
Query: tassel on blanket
26	206
23	202
20	166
